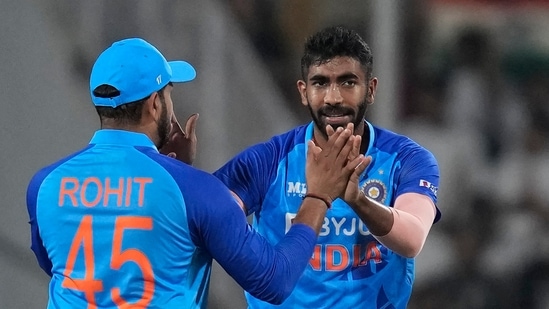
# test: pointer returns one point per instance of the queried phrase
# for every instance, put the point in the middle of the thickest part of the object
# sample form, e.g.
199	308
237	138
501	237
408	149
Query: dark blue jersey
120	224
349	267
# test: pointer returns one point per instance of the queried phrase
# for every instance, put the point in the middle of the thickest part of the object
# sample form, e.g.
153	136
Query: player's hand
352	191
182	144
328	170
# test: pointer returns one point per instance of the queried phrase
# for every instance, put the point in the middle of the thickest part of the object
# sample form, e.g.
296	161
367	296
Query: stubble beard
163	126
357	118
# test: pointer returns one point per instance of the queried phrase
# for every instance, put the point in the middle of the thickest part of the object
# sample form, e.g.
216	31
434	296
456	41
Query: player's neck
148	129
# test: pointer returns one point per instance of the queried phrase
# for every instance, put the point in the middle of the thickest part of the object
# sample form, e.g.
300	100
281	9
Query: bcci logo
375	189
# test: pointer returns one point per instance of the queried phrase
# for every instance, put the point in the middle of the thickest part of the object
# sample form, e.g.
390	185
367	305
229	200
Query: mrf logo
296	188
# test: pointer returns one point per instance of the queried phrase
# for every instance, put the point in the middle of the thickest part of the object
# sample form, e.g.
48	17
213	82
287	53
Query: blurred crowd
479	100
485	116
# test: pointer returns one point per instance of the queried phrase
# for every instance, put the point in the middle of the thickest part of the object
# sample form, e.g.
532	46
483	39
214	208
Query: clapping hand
352	192
330	169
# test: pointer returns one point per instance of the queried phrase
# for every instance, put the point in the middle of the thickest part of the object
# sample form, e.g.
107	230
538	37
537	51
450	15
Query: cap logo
159	79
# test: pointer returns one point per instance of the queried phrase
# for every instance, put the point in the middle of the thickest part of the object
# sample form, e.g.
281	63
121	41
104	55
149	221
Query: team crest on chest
375	189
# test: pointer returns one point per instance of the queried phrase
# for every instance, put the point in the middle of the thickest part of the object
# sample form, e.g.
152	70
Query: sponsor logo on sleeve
428	185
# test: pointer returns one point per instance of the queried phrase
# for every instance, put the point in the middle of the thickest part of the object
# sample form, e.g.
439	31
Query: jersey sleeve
249	174
32	195
218	225
419	173
36	241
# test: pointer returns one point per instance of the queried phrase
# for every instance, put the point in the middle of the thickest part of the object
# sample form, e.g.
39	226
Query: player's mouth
337	119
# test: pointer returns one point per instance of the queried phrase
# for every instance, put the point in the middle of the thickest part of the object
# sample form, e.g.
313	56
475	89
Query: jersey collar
122	137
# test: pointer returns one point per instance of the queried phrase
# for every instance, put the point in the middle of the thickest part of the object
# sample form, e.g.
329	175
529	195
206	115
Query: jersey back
113	223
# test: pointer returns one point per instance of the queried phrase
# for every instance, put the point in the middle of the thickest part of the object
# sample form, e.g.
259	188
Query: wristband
326	199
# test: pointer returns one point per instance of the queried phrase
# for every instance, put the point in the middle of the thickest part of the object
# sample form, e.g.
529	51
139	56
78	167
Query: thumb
363	162
312	150
190	126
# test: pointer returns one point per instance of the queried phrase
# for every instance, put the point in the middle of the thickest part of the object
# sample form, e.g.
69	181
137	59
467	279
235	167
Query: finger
356	169
176	126
331	141
311	146
340	143
359	165
355	150
329	130
190	126
343	157
351	126
311	149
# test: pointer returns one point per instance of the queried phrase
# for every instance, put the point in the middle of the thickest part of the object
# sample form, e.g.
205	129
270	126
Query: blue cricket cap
136	69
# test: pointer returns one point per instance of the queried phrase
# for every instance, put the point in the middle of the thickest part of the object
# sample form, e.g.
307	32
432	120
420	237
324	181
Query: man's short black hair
334	42
128	113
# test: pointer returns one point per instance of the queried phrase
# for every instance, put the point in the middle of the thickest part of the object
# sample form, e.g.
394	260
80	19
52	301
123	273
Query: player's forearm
276	271
376	216
407	236
312	213
265	271
293	253
295	250
402	230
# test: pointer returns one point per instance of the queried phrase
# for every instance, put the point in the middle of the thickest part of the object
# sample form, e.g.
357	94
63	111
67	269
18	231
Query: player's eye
349	83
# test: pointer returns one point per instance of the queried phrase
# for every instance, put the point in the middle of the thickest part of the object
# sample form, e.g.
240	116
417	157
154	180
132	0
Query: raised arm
402	228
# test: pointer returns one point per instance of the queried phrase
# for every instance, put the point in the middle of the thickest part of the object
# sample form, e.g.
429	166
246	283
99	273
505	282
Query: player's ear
372	87
302	89
152	105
